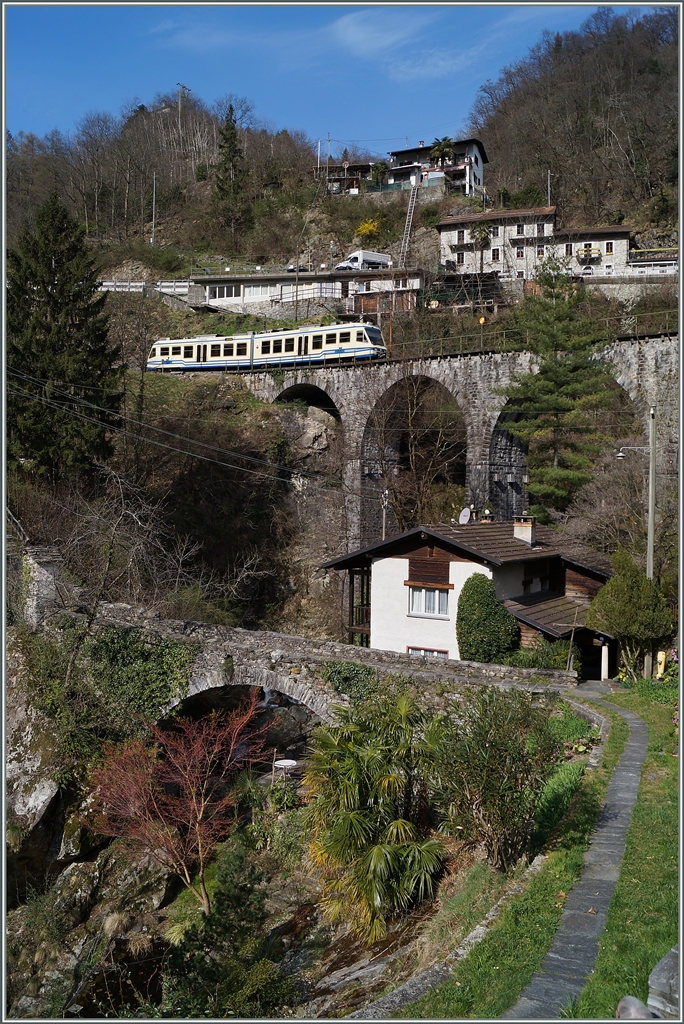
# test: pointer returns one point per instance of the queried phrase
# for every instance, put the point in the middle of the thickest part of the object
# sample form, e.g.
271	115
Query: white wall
393	629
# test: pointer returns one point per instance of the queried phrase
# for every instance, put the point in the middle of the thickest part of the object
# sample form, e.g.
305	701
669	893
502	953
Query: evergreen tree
632	608
230	175
58	354
485	630
557	410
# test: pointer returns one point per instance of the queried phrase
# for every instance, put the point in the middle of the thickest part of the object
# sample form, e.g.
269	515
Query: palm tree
370	811
480	233
442	149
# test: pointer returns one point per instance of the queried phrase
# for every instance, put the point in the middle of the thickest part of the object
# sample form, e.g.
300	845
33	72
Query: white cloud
364	33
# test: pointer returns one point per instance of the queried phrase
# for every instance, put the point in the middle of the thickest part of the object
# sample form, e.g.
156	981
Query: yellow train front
336	344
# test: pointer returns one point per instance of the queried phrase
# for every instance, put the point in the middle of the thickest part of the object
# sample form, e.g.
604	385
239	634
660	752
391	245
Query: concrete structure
463	170
646	368
663	986
275	294
410	586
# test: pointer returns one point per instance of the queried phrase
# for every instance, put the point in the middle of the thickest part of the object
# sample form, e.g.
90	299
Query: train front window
277	345
241	348
330	339
289	344
265	348
317	341
345	337
163	351
153	353
216	350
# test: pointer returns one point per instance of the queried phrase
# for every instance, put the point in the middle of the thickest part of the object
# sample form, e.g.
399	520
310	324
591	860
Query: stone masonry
646	368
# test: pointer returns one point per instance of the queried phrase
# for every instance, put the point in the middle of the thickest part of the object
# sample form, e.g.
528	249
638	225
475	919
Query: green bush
485	630
546	654
496	767
358	682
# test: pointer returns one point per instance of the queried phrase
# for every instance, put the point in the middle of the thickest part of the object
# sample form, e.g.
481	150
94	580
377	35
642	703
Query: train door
303	345
201	353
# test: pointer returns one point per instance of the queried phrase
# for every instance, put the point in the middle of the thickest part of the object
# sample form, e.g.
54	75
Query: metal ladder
407	229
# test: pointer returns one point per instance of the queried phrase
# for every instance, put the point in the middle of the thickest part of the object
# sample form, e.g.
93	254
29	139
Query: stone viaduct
646	368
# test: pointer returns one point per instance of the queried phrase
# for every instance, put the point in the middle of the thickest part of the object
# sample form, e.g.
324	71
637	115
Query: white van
362	259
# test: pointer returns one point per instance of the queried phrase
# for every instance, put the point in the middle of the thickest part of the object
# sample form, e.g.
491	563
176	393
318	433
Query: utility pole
327	170
548	188
385	504
650	537
318	173
180	93
154	202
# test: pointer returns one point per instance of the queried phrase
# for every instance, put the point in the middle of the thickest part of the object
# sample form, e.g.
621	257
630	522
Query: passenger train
303	346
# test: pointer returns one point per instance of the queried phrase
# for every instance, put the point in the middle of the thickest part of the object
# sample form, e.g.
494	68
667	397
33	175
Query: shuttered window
428	570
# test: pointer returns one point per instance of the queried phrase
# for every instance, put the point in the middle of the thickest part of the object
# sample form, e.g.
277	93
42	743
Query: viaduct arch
646	368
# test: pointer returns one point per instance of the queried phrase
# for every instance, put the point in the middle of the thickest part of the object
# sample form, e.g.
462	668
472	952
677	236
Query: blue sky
374	74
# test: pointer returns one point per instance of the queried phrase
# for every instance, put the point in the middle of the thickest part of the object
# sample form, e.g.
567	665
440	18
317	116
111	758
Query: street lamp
650	536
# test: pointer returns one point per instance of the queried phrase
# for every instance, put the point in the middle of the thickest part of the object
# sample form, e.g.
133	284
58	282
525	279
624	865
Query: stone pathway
567	966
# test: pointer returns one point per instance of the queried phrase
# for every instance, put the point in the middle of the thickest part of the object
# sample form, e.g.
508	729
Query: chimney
487	516
523	528
421	143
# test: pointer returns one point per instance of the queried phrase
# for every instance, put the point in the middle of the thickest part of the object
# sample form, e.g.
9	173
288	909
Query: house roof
552	614
469	218
426	149
489	543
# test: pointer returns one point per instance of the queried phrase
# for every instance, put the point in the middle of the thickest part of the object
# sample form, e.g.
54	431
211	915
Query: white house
512	243
403	591
464	169
356	291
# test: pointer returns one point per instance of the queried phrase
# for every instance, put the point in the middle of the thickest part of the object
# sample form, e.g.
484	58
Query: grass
642	923
490	978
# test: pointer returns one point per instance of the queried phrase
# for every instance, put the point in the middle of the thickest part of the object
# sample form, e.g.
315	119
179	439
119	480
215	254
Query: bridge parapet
294	665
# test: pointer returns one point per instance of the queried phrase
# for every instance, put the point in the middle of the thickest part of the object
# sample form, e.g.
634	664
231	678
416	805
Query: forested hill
599	109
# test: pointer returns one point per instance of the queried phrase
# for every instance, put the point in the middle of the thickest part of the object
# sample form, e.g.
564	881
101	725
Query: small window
609	248
460	236
477	162
345	337
289	344
175	350
359	336
520	229
215	350
211	292
521	273
164	351
460	257
266	348
330	339
540	230
228	350
495	255
317	341
540	250
277	345
241	348
568	248
520	252
232	291
426	652
495	230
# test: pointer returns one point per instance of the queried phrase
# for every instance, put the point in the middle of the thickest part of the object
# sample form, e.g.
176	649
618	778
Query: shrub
495	769
358	682
485	630
546	654
554	800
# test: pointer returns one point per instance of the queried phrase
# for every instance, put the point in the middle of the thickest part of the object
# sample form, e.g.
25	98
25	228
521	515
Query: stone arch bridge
646	368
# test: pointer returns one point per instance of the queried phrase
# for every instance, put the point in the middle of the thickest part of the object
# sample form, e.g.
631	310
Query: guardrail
140	287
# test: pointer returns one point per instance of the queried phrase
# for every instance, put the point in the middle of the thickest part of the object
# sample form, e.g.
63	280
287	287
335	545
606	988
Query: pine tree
229	170
60	364
557	410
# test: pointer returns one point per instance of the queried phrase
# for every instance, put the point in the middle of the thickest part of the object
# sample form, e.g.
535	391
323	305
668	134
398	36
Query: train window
317	341
277	345
330	339
289	344
345	337
216	350
359	336
265	348
187	352
228	350
164	351
241	348
175	351
153	353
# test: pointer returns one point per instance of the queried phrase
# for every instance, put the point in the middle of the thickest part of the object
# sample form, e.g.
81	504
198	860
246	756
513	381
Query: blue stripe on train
260	362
